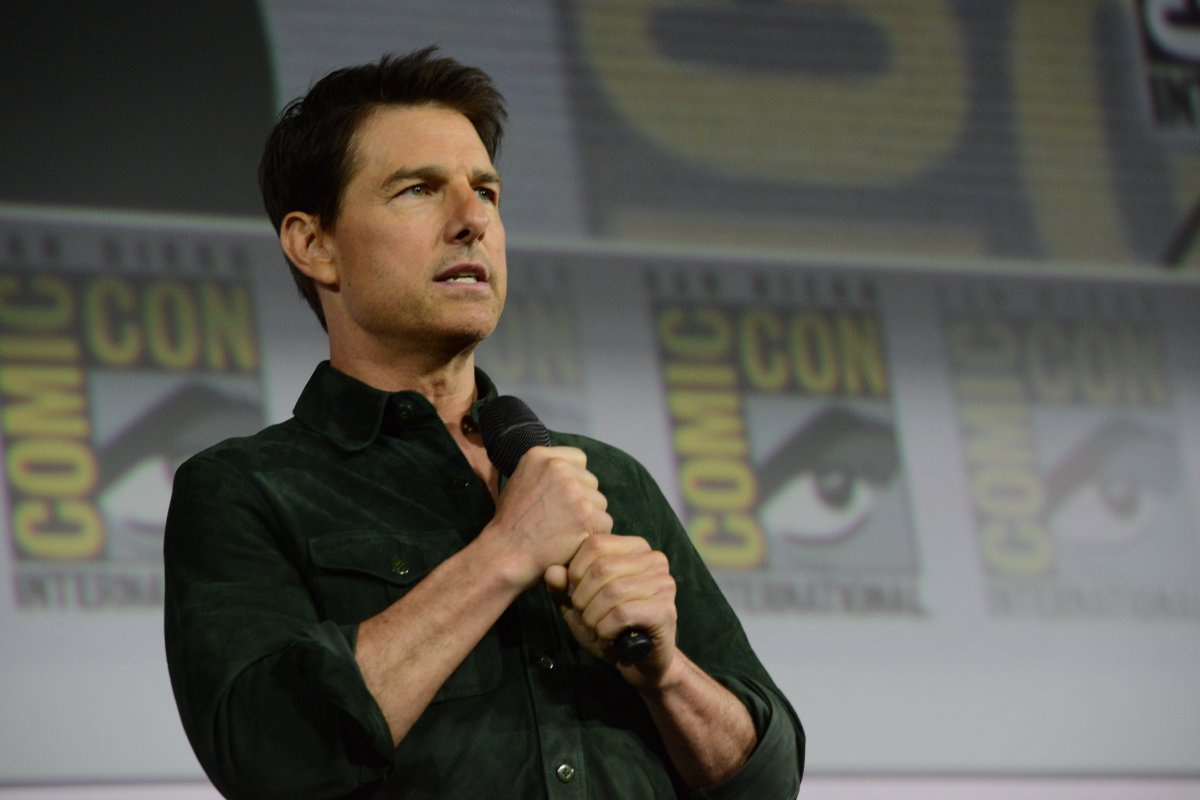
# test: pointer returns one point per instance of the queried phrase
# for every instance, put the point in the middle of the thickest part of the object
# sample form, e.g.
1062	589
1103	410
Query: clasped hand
558	524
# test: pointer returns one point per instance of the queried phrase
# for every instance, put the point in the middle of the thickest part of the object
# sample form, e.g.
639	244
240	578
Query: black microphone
509	428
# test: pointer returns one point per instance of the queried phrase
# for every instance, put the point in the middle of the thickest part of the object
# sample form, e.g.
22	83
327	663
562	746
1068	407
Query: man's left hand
613	583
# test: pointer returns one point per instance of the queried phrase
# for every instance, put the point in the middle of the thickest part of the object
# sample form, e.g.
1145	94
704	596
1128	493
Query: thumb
556	579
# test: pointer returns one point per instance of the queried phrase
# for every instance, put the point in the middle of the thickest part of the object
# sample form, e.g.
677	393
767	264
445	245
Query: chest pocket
360	573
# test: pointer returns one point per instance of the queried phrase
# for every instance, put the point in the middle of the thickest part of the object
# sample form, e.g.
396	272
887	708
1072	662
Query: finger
602	522
619	579
570	455
556	579
585	508
566	471
603	546
654	614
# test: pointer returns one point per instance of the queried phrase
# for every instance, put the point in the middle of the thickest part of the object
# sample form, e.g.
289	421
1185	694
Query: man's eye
417	189
487	195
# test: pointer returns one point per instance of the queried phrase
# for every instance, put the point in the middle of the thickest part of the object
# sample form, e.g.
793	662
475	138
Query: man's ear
309	247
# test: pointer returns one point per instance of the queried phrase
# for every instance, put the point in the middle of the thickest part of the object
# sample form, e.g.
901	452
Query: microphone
509	428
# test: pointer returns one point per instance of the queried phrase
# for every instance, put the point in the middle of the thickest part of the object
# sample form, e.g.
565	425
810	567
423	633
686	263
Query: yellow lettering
764	359
707	423
172	325
997	433
38	348
1050	364
863	364
729	107
701	333
43	401
1099	370
717	484
712	375
990	387
1007	491
728	541
51	467
110	328
1020	546
718	487
65	529
228	327
1058	103
814	353
48	305
982	346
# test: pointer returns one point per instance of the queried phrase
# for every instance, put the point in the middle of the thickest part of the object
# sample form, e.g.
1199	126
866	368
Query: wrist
504	562
663	682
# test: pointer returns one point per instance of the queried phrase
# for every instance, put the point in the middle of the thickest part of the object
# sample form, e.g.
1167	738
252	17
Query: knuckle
603	597
603	522
580	506
603	569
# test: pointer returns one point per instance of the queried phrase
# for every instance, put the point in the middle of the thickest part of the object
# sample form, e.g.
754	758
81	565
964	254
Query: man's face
418	244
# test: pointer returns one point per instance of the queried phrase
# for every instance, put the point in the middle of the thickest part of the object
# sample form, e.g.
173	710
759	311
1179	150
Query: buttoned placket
548	672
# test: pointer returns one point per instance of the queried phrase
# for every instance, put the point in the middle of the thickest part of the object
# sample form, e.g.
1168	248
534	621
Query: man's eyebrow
403	174
435	175
485	176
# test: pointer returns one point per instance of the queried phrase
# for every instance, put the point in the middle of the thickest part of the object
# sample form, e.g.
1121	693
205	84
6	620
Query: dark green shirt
279	544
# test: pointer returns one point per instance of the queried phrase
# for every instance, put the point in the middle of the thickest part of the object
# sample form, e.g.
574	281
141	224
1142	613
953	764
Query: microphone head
509	428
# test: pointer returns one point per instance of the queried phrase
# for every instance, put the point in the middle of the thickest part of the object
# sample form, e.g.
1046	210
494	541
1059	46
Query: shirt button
565	773
545	662
404	411
400	567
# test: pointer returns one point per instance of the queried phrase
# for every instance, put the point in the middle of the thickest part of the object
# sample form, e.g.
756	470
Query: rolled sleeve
271	697
774	768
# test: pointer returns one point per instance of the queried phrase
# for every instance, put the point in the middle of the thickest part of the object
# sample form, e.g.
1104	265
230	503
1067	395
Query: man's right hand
548	507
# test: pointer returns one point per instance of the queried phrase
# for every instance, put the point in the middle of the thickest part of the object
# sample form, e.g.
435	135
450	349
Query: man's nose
469	217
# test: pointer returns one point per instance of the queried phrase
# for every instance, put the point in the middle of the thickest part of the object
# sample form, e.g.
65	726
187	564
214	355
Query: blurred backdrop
899	302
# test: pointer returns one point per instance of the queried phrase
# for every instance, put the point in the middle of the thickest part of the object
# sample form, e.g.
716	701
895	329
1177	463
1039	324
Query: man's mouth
463	274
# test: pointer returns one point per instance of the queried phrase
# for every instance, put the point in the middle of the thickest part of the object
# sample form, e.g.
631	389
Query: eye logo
820	486
1109	489
1174	27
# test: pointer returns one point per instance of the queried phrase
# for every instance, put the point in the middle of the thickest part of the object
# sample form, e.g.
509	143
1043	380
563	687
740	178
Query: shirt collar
352	414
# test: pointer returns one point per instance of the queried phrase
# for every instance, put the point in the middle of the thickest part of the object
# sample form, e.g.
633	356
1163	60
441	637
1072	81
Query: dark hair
308	156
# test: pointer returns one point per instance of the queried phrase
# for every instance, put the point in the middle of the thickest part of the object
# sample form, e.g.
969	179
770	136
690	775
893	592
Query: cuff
773	770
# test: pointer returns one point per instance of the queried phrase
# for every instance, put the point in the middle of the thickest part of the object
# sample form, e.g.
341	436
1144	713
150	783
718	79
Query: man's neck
449	385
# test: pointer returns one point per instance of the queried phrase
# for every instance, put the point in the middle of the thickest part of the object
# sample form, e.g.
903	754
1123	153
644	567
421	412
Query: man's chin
461	341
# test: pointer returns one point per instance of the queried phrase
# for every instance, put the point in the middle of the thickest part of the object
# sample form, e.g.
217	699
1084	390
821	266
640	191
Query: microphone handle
632	645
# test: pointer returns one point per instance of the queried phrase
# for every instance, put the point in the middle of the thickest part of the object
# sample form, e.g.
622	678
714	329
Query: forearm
707	731
407	651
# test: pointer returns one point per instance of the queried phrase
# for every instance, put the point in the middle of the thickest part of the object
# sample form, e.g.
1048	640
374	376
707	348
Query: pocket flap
389	558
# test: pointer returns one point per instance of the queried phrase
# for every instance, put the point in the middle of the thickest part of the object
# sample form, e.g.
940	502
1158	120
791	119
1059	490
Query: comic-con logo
788	471
1072	468
106	384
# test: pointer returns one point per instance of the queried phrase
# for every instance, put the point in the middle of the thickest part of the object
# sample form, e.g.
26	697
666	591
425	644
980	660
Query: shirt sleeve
712	636
270	696
775	767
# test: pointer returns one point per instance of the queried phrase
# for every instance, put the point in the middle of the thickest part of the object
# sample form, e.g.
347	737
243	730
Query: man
356	606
